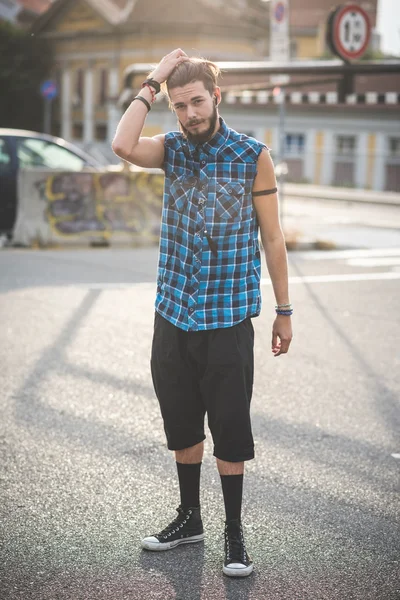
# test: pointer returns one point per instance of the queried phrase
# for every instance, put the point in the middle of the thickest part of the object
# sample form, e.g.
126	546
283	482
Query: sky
388	25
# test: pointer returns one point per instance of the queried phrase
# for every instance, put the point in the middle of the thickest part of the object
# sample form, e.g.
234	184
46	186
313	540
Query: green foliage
25	62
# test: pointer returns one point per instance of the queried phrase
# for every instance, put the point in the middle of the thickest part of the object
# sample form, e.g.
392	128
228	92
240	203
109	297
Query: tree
25	62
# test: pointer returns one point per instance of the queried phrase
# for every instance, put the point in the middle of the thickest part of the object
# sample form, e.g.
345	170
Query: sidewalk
324	192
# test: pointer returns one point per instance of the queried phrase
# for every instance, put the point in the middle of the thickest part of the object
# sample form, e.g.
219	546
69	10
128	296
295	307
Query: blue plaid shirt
209	264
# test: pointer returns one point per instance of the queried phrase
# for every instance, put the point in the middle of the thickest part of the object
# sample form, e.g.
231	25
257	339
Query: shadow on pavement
386	403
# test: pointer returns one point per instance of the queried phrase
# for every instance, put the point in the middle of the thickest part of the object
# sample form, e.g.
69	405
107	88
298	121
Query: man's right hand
167	65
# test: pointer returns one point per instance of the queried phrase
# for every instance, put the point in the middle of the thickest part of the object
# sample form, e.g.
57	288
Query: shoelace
176	524
236	547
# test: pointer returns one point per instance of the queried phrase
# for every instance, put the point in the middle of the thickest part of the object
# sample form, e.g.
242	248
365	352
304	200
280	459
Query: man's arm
128	143
267	209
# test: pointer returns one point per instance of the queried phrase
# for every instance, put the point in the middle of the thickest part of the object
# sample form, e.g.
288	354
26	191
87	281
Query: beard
205	136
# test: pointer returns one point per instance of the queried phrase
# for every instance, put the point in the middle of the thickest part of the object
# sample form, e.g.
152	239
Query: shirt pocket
229	200
180	191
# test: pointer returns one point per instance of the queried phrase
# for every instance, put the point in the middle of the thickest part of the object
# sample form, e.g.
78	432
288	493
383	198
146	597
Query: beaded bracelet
286	313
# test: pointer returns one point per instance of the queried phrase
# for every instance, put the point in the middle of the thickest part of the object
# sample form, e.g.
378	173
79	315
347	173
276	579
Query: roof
201	17
171	15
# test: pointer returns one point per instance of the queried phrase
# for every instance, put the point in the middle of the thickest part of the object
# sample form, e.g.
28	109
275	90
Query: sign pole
47	115
282	114
49	91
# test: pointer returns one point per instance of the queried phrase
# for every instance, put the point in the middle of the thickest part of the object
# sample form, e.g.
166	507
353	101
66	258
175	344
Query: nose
191	112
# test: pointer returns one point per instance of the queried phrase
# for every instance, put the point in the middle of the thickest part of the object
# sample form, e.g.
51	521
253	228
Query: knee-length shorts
205	372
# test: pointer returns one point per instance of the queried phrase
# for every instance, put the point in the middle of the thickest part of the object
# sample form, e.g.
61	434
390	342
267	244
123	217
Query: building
308	20
329	143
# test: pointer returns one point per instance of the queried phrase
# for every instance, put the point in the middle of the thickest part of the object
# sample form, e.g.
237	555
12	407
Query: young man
220	189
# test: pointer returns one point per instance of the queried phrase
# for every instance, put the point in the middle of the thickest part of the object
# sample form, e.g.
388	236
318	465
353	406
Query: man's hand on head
168	64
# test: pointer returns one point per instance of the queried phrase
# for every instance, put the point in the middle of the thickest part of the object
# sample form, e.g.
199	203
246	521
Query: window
78	88
345	145
103	85
77	131
394	147
294	143
5	158
101	132
40	153
293	48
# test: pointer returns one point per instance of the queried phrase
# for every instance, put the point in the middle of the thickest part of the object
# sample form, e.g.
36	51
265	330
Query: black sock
189	484
232	488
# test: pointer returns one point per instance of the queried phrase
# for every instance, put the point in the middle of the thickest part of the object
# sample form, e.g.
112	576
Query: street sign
279	41
48	89
349	31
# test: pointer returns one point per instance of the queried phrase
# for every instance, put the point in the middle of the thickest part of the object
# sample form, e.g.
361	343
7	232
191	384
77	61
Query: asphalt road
85	474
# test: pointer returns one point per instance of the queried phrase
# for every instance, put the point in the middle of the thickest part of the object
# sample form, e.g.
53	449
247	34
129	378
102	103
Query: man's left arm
267	208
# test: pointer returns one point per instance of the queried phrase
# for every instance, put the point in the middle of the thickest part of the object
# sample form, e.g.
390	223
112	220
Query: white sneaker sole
160	546
235	572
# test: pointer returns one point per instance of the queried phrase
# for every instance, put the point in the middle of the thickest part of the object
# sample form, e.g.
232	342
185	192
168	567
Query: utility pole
279	94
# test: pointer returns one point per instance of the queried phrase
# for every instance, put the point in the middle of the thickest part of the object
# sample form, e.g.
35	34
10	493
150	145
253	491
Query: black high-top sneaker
237	562
187	528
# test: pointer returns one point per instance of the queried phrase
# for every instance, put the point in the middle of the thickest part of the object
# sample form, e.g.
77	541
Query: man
219	189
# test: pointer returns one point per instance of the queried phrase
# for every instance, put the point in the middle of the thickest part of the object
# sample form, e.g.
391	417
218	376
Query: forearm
131	125
276	259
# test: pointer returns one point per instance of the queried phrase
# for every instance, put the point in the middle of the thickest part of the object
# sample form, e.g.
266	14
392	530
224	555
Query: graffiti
105	203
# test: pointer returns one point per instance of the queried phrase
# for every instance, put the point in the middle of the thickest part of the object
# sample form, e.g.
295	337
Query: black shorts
199	372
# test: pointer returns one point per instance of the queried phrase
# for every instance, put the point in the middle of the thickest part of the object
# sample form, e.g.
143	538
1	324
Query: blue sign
48	89
279	11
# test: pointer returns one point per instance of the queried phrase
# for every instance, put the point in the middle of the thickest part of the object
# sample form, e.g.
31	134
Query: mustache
190	123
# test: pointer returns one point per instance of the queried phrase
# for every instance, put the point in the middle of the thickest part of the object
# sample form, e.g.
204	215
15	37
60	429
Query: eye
198	101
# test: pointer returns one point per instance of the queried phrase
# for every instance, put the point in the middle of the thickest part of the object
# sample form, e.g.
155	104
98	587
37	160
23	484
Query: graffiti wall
54	207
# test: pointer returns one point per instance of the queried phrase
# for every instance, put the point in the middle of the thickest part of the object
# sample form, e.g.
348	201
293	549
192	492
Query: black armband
265	192
147	104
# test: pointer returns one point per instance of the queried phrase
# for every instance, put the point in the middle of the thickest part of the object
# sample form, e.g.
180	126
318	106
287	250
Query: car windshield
34	152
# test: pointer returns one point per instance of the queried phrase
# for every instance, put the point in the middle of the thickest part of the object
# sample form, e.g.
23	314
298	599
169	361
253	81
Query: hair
194	69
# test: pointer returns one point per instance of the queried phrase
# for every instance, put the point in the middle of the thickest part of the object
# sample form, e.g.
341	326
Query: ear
217	96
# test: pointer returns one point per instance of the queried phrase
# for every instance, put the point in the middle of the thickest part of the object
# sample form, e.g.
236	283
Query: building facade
95	41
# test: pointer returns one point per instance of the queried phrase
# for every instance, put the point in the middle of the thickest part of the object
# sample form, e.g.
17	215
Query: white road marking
374	262
395	455
341	277
337	254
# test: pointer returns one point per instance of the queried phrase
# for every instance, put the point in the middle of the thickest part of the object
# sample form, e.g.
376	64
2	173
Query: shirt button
191	310
203	162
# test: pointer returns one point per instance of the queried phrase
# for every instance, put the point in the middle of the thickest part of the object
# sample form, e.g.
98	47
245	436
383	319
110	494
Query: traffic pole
282	114
47	115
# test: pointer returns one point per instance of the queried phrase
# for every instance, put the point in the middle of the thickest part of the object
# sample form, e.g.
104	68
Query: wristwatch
153	83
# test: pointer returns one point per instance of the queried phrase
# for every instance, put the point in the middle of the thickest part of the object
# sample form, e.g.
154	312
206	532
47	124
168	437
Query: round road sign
349	31
48	89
